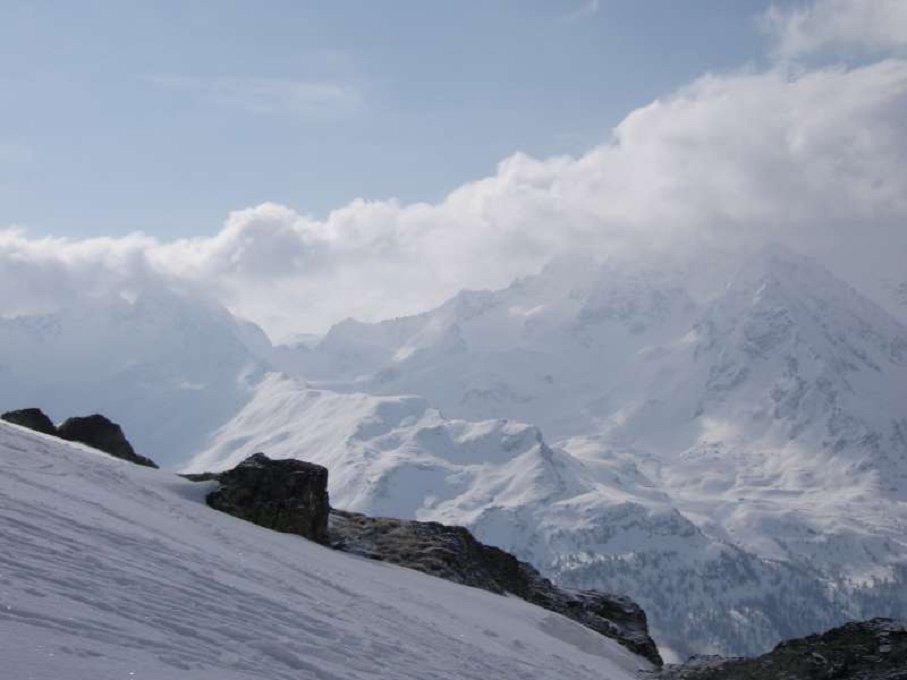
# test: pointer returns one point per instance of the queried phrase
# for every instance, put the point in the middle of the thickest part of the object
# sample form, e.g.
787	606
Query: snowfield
110	570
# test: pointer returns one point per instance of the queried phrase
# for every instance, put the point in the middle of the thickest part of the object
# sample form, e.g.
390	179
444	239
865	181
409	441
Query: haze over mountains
724	444
170	367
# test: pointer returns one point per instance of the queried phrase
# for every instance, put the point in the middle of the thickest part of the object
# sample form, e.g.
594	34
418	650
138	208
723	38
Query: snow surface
110	570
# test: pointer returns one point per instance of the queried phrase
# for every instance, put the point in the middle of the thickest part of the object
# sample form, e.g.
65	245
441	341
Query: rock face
32	418
289	495
453	553
100	433
867	650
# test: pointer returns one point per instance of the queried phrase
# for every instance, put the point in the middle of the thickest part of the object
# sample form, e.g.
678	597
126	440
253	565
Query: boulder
864	650
453	553
100	433
289	495
32	418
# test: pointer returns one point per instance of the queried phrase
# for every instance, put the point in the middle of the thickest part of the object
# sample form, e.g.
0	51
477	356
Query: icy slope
168	367
108	570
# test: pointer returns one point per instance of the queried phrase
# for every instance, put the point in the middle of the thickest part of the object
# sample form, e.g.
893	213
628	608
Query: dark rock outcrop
453	553
289	495
32	418
100	433
866	650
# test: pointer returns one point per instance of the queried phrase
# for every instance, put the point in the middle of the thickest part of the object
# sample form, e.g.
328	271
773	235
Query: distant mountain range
169	367
724	440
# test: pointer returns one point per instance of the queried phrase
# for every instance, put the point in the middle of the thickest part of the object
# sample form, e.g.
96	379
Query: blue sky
162	117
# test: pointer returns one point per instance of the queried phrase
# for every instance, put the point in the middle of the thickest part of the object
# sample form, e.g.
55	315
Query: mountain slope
110	570
649	356
596	522
391	456
730	442
169	367
775	383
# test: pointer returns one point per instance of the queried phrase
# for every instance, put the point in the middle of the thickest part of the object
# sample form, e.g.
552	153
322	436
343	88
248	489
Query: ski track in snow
109	570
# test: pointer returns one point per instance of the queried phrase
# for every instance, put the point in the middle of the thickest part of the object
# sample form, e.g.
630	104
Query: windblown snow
109	570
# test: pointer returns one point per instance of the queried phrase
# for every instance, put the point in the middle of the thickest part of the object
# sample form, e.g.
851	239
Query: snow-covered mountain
170	368
728	447
111	570
724	440
642	354
596	522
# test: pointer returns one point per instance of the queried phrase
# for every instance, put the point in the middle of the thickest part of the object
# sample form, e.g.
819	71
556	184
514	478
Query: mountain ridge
747	430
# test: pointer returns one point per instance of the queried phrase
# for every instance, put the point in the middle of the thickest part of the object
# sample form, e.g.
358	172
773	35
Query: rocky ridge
866	650
453	553
291	496
95	431
32	418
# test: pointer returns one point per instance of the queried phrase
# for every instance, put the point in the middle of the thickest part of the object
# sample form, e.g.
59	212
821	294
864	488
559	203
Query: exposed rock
100	433
454	553
32	418
289	495
867	650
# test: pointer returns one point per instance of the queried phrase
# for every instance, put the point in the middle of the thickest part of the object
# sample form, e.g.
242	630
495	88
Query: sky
164	116
305	162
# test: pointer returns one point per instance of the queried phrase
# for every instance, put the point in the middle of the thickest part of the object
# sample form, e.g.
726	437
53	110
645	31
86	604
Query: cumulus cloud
814	158
868	25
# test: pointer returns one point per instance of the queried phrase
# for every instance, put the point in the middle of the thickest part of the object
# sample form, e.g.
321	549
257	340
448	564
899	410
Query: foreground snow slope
109	570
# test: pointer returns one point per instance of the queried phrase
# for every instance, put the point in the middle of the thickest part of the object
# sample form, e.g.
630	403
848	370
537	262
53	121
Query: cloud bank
815	158
869	25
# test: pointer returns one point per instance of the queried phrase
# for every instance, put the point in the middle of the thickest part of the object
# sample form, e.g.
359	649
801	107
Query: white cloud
268	95
867	25
816	159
